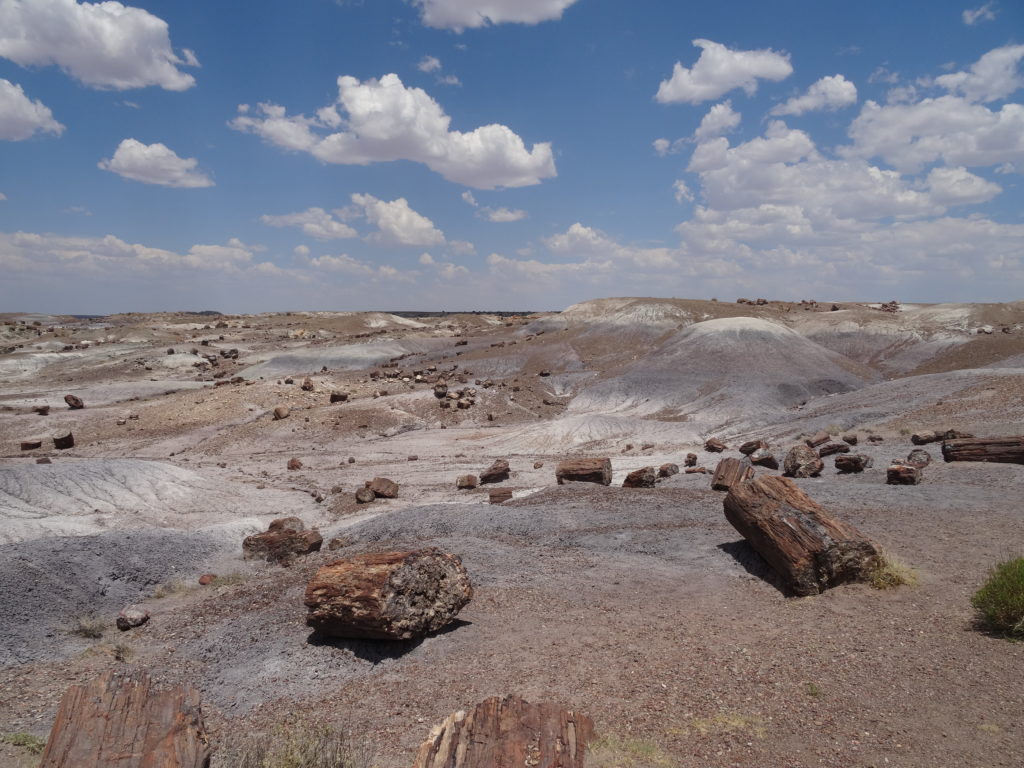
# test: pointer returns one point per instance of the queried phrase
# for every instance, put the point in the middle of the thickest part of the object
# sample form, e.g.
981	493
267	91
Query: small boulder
281	412
496	473
467	482
645	477
383	488
307	385
850	439
538	464
364	495
690	460
667	470
714	445
74	402
131	617
919	458
206	579
853	462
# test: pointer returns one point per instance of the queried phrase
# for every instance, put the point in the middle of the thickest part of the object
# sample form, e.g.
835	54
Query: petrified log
584	471
495	473
63	440
690	460
902	474
932	436
74	402
467	482
923	438
499	495
32	444
645	477
1006	450
810	549
339	397
714	445
762	457
118	720
802	461
667	470
285	539
695	471
383	488
919	458
508	733
830	448
752	445
388	595
853	462
817	439
730	472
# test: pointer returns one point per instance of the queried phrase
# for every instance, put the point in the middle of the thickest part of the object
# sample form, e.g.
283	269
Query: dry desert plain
640	607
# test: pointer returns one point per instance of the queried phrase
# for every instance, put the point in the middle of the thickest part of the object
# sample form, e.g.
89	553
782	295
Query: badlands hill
642	607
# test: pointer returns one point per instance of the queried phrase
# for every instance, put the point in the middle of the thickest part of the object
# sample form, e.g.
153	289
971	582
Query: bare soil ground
641	607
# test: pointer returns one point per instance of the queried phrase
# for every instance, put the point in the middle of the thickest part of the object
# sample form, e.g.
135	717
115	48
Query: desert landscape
642	607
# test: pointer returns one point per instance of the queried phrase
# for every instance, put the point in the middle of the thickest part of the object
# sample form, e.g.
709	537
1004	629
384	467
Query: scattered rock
713	445
339	542
364	495
131	617
645	477
902	474
690	460
294	463
307	385
667	470
339	397
467	482
853	462
802	461
762	457
206	579
281	412
850	439
351	459
42	410
496	473
830	448
538	464
695	471
74	403
875	439
919	458
753	445
817	439
383	488
285	539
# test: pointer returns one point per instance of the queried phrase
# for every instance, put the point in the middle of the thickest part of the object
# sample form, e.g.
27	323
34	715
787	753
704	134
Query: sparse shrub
170	588
1000	601
122	651
890	572
833	429
298	746
90	627
612	751
230	579
904	431
31	744
813	690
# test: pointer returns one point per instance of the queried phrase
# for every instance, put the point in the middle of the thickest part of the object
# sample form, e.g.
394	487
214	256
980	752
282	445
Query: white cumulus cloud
972	16
429	64
387	121
829	93
994	76
21	117
460	14
501	215
720	119
154	164
104	45
720	70
315	222
397	223
958	186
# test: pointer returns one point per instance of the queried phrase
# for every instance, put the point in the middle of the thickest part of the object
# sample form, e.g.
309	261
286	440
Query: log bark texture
388	595
508	733
119	720
499	495
810	550
730	472
584	471
1005	450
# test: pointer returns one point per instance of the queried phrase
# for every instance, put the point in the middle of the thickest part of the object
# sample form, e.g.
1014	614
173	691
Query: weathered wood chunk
690	460
645	477
31	443
714	445
762	457
499	495
281	412
496	473
831	448
63	440
294	463
364	495
850	439
339	397
817	439
919	458
383	488
508	733
74	402
853	462
118	720
807	547
388	595
802	461
695	471
584	471
285	539
730	472
465	482
902	474
1004	450
932	436
753	445
667	470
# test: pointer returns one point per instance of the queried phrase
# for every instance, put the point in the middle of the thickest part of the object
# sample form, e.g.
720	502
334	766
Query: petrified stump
802	461
584	471
285	539
690	460
853	462
388	595
74	402
830	448
902	474
919	458
467	482
31	443
497	472
811	550
508	733
1005	450
117	720
817	439
63	440
730	472
645	477
499	495
667	470
714	445
383	488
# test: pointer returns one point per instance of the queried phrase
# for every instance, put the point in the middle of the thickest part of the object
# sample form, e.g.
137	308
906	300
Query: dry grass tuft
89	627
299	746
890	573
613	751
31	744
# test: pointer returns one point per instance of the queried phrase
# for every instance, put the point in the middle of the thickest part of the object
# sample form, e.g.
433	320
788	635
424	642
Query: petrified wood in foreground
584	471
730	472
809	549
388	595
508	733
63	440
118	720
1006	450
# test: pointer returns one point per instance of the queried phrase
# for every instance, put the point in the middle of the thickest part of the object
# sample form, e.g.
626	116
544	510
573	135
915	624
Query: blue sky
506	154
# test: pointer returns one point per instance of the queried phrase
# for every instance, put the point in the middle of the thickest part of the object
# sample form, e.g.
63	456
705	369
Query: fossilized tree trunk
119	720
584	471
508	733
810	549
1006	450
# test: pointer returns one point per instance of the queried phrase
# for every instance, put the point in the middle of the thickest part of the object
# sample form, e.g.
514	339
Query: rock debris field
640	606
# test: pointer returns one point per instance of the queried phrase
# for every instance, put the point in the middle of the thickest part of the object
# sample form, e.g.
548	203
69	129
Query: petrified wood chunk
903	474
339	397
31	443
467	482
817	439
762	457
284	540
752	445
388	595
695	471
645	477
281	412
811	550
294	463
364	495
850	439
495	473
853	462
499	495
117	720
690	460
508	733
730	472
919	458
713	445
667	470
63	440
383	488
584	471
830	448
802	461
74	402
1006	450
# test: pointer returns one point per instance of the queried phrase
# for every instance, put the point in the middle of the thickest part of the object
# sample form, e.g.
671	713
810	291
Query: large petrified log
388	595
118	720
584	471
810	549
1006	450
508	733
730	472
